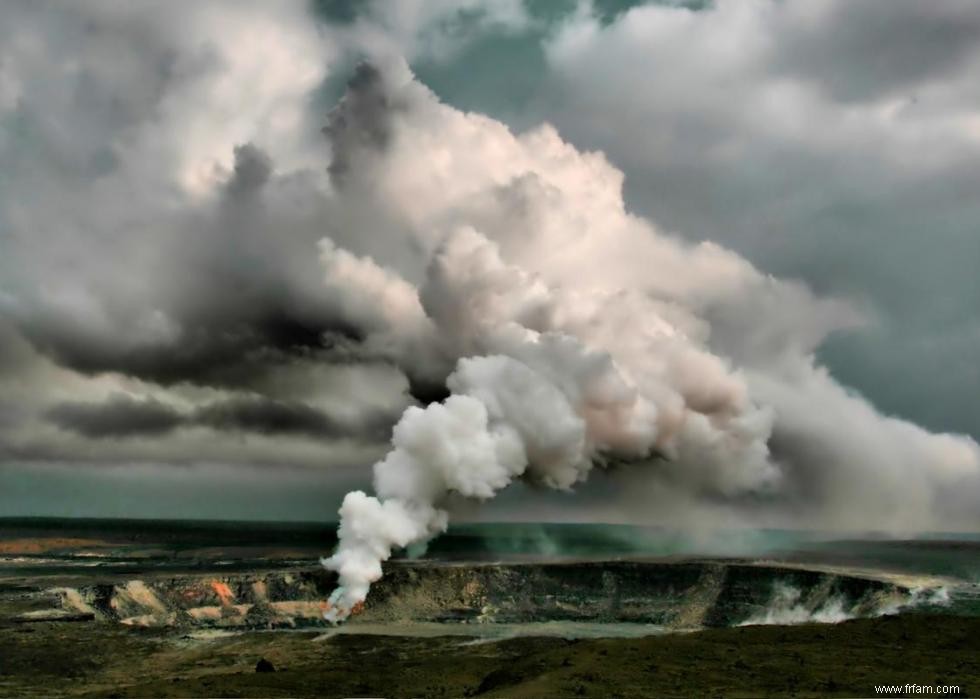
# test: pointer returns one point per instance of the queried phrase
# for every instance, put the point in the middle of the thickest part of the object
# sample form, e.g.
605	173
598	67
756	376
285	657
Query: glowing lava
223	591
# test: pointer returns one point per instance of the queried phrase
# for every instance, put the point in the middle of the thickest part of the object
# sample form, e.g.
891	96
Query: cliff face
672	595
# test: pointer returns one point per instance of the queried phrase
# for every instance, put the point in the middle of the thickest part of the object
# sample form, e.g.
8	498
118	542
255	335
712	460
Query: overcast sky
204	261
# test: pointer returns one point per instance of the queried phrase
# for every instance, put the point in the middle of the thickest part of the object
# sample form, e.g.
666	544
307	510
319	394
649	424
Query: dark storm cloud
216	349
130	268
360	120
267	417
160	210
252	170
426	390
863	50
274	417
235	296
119	416
123	416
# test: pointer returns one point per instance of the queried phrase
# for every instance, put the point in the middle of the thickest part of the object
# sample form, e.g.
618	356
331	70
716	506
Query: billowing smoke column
571	334
504	420
540	404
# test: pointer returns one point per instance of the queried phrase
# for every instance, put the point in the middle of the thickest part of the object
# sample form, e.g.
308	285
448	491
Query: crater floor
481	599
47	659
91	617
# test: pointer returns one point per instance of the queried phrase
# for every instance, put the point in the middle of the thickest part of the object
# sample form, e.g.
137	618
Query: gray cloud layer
165	295
120	416
124	416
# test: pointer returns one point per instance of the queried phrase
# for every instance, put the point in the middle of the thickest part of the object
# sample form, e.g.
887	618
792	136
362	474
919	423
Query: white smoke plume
575	334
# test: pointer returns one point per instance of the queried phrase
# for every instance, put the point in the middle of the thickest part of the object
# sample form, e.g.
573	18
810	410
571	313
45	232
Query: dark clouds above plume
123	416
120	416
285	418
165	297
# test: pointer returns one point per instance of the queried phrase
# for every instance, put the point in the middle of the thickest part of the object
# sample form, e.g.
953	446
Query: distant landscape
199	604
489	348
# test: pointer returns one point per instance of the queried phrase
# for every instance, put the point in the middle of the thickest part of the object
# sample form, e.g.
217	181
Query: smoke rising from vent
573	335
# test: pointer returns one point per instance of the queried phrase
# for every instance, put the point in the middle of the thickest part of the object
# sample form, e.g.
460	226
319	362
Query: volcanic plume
571	334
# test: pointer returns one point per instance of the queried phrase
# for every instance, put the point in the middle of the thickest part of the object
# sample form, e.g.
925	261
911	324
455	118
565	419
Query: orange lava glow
223	591
326	607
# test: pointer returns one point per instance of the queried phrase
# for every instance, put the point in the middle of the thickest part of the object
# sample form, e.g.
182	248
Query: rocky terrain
663	595
96	614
